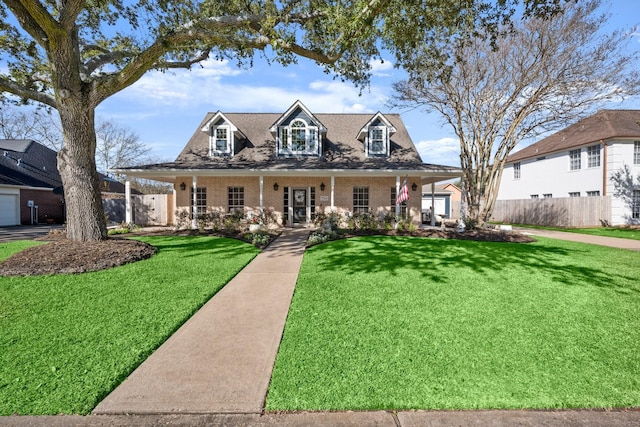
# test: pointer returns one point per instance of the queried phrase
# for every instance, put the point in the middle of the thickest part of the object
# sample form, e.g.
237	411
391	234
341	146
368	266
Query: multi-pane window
298	135
593	156
221	140
547	196
574	194
377	140
574	159
201	200
392	204
534	196
636	152
236	199
595	193
360	199
516	170
635	205
299	138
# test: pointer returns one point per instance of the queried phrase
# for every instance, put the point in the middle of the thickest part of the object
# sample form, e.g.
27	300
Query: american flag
403	195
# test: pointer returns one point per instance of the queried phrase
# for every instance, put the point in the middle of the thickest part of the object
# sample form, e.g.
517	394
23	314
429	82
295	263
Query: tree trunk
77	167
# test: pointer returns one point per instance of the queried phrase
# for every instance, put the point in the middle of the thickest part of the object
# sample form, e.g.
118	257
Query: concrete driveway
26	232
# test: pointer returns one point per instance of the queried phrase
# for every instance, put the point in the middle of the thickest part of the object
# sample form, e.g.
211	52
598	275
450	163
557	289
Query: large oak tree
73	54
540	74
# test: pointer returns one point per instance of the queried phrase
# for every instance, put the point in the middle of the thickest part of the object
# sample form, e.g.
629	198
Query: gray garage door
9	209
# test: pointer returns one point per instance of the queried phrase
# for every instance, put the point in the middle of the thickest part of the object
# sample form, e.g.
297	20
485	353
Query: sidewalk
613	242
220	360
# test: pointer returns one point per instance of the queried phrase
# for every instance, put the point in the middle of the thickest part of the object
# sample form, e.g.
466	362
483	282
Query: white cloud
443	151
381	68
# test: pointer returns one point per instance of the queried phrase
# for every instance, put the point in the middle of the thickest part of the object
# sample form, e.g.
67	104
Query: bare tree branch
14	88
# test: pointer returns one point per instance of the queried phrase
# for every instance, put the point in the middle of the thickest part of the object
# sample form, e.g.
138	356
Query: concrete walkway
613	242
220	360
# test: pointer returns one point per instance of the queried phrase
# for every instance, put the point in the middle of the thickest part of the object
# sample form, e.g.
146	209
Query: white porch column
433	204
397	192
194	204
261	188
127	198
333	192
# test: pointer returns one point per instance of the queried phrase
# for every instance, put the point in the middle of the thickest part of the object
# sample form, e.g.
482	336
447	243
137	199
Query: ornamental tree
71	55
537	75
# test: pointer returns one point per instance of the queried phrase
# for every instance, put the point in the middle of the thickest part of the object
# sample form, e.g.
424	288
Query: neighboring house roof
24	162
602	126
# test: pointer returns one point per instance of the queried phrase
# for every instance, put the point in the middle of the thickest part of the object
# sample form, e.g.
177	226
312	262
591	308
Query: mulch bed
61	255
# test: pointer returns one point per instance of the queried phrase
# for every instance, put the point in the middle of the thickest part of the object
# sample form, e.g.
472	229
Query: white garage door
9	209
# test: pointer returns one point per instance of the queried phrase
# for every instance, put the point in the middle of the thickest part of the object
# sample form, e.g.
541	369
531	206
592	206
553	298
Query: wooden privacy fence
147	209
556	212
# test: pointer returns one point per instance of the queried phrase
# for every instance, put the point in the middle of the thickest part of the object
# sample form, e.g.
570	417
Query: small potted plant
255	224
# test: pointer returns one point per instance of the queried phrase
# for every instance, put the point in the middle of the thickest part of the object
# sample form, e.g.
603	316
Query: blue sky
164	109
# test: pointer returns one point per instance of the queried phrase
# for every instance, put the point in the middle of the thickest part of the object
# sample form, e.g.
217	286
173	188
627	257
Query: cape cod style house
579	161
297	163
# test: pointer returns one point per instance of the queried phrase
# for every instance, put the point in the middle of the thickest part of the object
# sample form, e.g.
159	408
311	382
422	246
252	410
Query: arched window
298	138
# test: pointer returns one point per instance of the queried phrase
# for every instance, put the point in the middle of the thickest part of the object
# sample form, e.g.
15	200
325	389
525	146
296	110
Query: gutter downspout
604	168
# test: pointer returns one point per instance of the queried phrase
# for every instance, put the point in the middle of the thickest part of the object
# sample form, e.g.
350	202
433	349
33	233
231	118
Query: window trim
593	156
213	139
311	139
636	152
201	200
594	193
635	204
517	171
574	194
384	150
360	191
235	194
575	163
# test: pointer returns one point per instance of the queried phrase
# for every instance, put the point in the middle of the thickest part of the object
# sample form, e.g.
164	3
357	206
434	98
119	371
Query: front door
299	205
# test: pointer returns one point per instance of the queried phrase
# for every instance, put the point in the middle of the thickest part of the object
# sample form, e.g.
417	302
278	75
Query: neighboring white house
578	162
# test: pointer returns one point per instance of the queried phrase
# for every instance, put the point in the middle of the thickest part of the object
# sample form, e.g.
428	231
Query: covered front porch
295	196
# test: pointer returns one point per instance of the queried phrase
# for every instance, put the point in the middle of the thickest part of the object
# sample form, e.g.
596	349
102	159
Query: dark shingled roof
602	126
341	148
25	162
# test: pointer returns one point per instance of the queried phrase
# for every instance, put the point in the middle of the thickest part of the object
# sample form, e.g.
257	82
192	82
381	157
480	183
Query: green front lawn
411	323
66	341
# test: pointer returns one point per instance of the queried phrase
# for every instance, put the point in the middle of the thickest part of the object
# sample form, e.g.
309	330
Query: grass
410	323
66	341
620	232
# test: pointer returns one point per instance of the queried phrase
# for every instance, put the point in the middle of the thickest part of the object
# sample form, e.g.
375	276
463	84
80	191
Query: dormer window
377	140
298	132
298	138
221	140
222	135
375	135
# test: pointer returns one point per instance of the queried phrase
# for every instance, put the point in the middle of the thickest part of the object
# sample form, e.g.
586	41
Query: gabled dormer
222	135
376	136
298	132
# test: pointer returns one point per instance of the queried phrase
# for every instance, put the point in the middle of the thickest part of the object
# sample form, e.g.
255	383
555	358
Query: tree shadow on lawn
564	263
194	246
